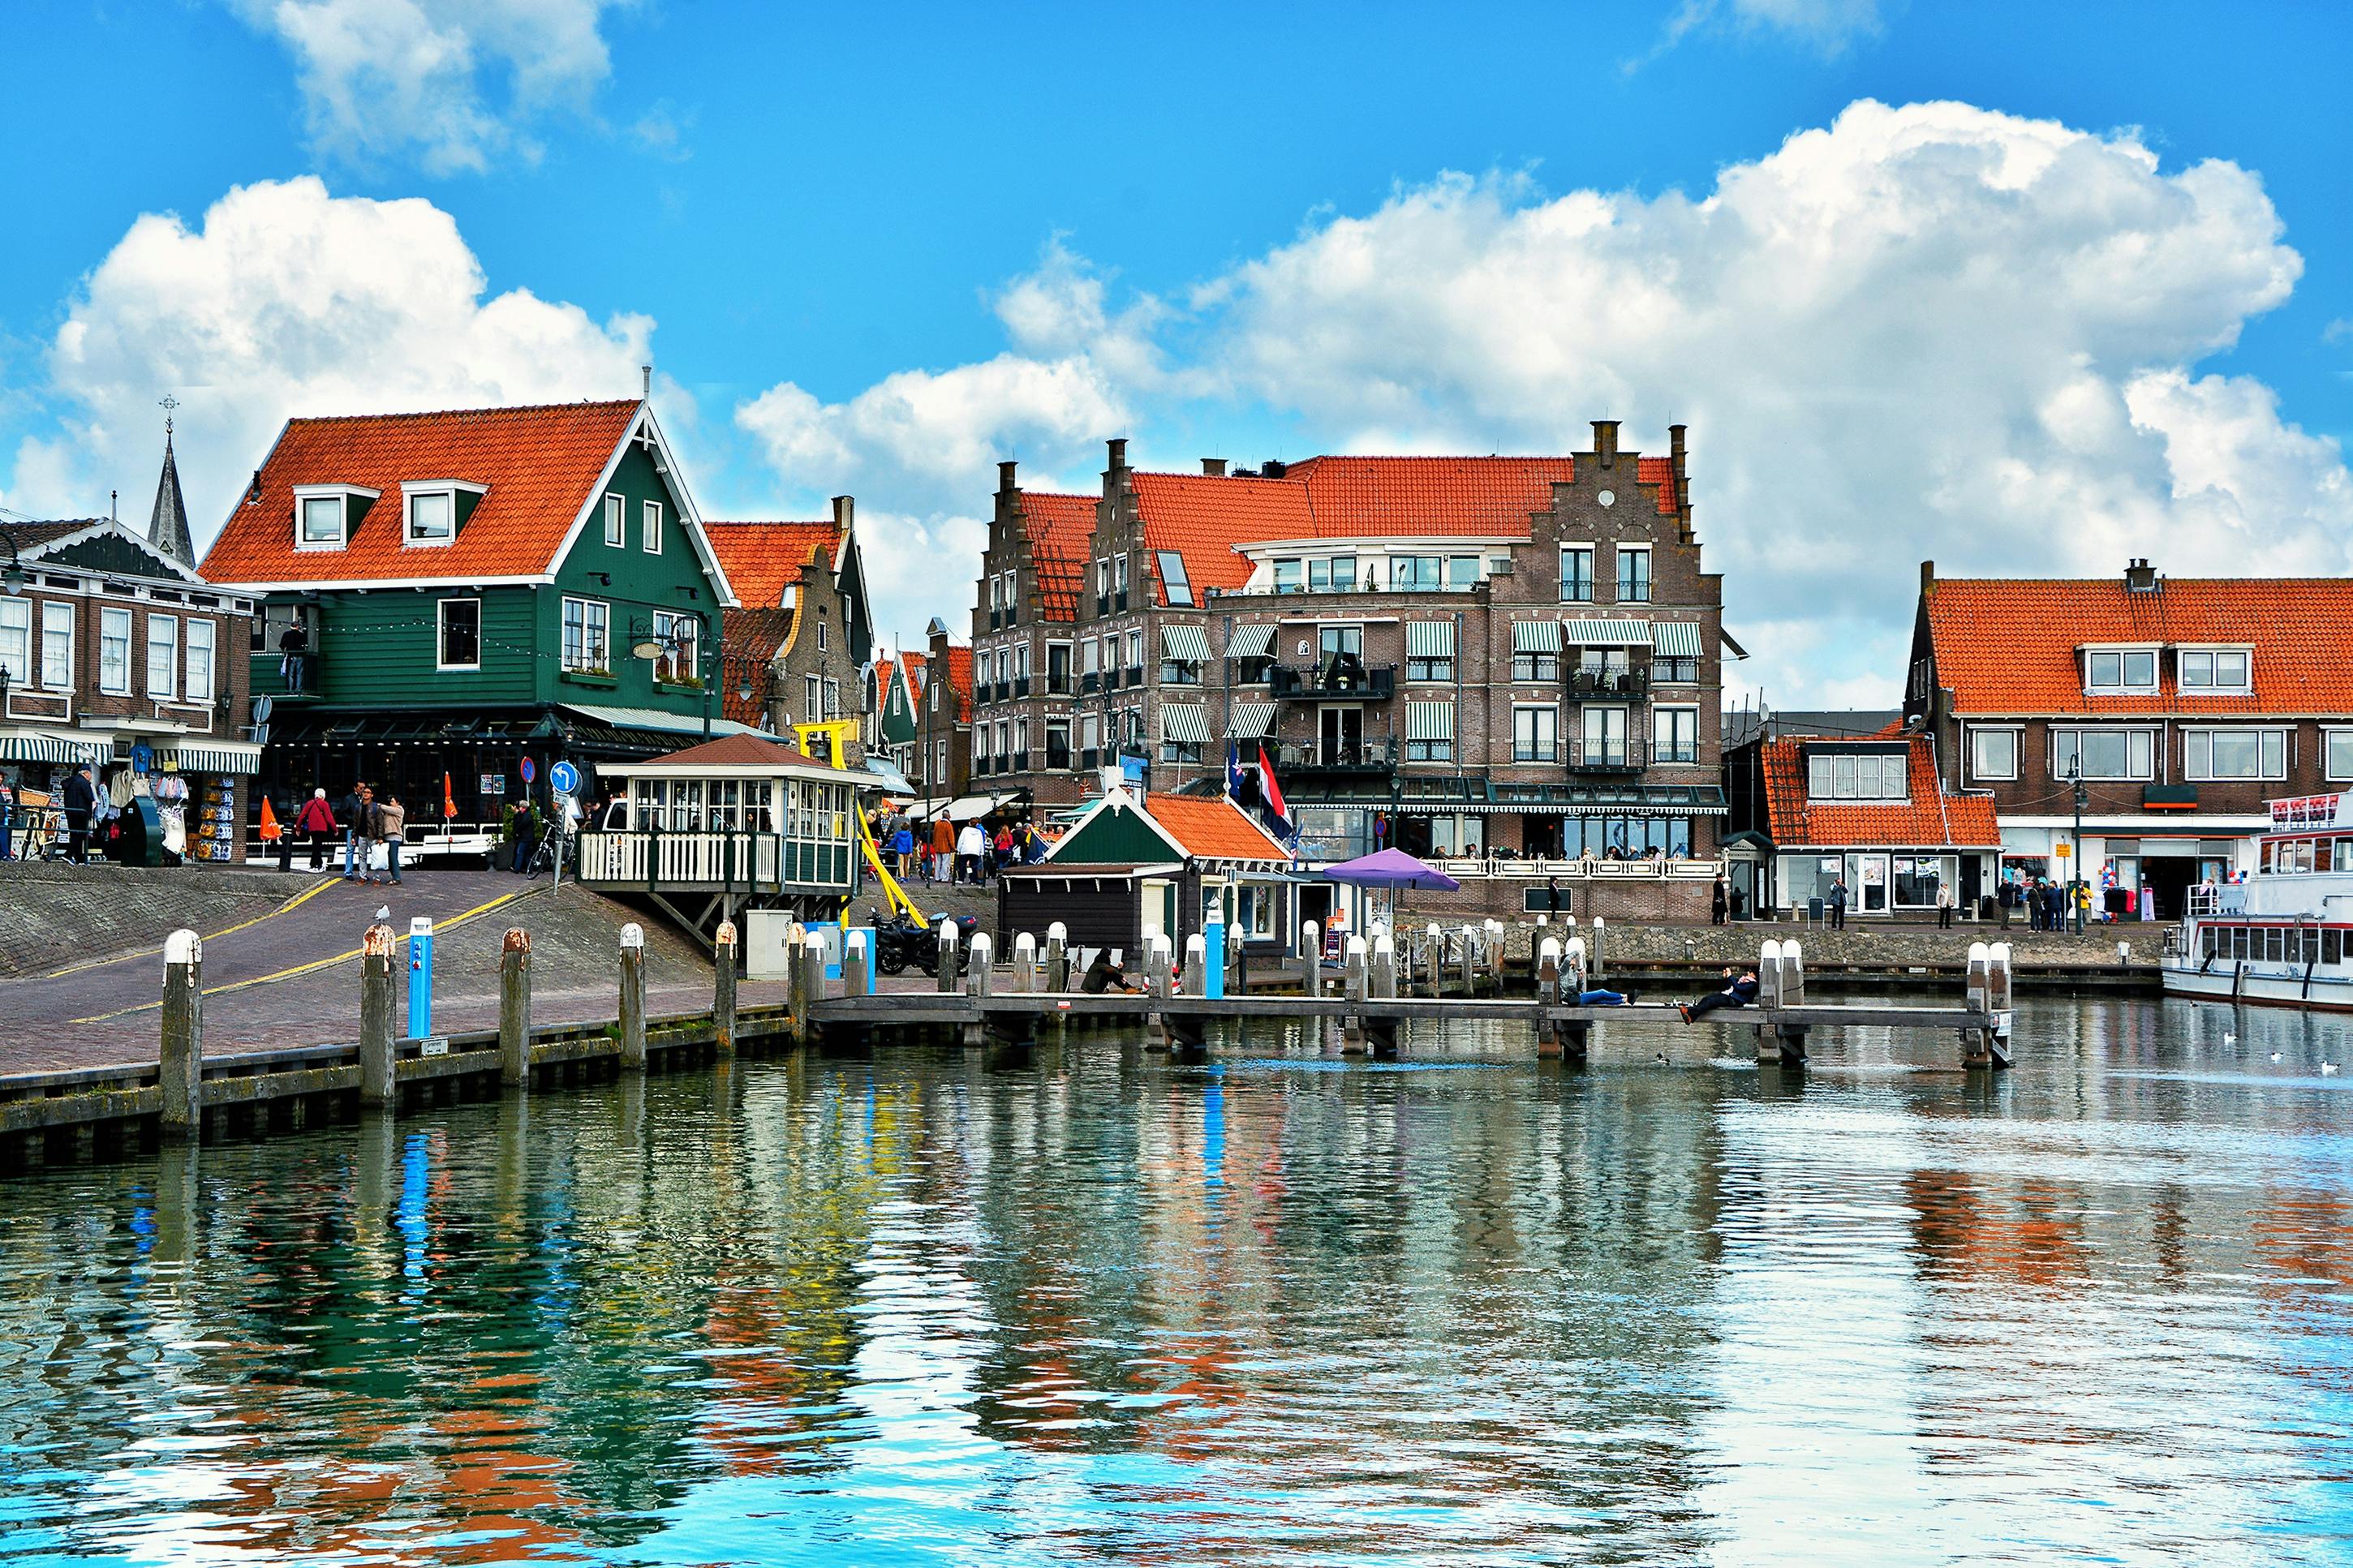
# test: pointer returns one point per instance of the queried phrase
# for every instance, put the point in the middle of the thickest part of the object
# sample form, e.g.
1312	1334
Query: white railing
1589	870
680	860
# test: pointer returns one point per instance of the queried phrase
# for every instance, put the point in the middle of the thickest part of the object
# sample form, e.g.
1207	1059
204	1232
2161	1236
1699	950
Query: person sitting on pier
1737	993
1103	975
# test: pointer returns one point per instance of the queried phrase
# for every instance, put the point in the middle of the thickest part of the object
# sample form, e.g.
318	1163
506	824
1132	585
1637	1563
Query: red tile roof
1061	530
1480	496
763	559
2008	646
1931	818
542	465
1212	827
960	680
736	751
1659	471
1203	519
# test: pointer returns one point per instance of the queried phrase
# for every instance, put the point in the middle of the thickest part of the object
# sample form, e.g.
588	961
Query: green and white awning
197	757
1250	720
1184	724
1606	633
1536	636
1185	644
1251	642
1430	721
52	746
1429	639
1675	639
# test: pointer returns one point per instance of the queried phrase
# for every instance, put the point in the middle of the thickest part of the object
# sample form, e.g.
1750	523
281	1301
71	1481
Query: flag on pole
1235	781
1268	787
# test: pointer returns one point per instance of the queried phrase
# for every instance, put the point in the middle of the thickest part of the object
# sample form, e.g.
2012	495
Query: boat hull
2264	985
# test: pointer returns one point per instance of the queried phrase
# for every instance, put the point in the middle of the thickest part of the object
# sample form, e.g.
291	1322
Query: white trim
2328	731
369	585
617	520
689	516
440	633
129	626
179	571
342	494
564	667
171	693
414	491
1970	752
2287	752
650	519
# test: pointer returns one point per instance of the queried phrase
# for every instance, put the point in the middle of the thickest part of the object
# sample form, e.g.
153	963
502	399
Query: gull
2231	1039
2326	1069
384	911
2275	1056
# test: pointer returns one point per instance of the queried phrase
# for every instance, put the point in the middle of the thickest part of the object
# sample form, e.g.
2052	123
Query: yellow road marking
452	924
311	893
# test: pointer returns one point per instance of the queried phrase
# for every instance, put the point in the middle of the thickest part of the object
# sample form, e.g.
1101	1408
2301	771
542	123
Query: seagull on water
2275	1056
2326	1069
2231	1039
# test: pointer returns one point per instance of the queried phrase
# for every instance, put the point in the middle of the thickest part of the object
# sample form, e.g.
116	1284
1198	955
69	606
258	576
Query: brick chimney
2140	577
1006	485
1118	444
1215	467
1683	487
1928	578
844	508
1605	442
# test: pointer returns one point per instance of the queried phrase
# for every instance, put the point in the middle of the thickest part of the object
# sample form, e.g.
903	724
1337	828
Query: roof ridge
505	408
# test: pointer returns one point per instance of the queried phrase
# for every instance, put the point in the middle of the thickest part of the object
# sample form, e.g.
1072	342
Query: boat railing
2211	898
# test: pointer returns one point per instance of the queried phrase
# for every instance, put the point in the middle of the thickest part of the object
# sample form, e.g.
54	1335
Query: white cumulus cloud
286	299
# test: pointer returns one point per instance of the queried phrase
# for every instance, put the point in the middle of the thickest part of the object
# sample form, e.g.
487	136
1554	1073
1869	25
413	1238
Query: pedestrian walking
80	801
317	820
1719	903
1552	895
1944	906
943	848
1838	903
971	845
526	838
903	849
2005	896
391	822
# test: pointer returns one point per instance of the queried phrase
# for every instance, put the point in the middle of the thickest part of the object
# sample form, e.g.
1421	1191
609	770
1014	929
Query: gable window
2213	669
57	646
2234	754
17	641
587	637
1849	775
680	636
162	656
617	522
1577	574
1993	753
653	528
114	652
200	660
322	523
1633	574
2104	753
432	517
459	635
2120	669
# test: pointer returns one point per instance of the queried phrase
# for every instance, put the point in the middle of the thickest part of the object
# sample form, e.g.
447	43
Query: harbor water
1280	1308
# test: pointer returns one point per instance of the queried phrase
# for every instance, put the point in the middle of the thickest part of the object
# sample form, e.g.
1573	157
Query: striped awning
1606	633
1184	724
1675	639
51	746
1251	642
1250	720
1536	636
1429	639
1186	644
198	758
1430	721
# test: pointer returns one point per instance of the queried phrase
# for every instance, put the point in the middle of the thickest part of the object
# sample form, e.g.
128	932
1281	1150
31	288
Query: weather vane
168	403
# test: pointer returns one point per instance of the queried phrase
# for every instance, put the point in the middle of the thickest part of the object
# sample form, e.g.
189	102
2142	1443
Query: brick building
2181	704
1461	655
799	644
943	720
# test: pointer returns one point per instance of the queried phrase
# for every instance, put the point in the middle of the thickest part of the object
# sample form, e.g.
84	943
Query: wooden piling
181	1074
945	962
379	1090
514	1009
723	991
1058	957
633	998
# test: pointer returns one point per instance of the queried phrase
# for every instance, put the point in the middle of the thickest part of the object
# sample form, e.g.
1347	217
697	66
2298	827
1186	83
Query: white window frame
617	519
18	664
189	658
1977	773
2121	653
109	616
2328	740
2183	656
587	626
1846	776
441	633
1591	554
414	490
1650	577
675	666
2267	771
1551	752
343	495
170	647
2130	775
64	674
650	516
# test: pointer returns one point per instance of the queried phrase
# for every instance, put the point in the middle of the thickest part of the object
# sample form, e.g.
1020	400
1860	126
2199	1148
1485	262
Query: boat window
2332	946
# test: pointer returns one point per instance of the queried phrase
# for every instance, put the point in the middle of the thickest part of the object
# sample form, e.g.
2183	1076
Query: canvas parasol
270	831
1390	868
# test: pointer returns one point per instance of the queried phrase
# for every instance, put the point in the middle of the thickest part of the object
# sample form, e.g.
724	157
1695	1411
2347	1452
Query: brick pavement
53	914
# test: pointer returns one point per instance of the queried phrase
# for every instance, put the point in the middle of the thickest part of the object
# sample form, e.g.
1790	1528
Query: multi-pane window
2120	669
162	656
1430	650
1429	732
587	635
1993	753
1675	734
2103	754
1536	734
200	660
2234	754
832	697
1332	574
617	525
461	634
813	697
1417	574
1633	574
432	517
1577	574
653	528
17	641
2340	756
321	523
2213	671
57	646
1674	671
1536	664
114	651
680	636
1851	775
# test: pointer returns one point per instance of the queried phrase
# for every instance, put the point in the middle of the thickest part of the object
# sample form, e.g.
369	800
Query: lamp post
2076	853
650	645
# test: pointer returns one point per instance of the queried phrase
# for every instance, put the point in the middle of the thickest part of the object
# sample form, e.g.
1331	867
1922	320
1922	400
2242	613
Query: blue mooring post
420	978
1213	965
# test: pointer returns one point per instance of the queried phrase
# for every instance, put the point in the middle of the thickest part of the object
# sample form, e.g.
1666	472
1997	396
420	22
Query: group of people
2044	900
366	823
941	851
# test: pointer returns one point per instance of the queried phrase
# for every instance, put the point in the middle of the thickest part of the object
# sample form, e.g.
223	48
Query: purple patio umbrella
1390	868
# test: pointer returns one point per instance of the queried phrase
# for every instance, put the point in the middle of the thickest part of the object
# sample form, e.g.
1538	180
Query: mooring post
1768	974
1196	967
943	967
1593	970
514	1009
1352	981
1547	968
857	965
1433	958
1025	961
182	1074
1993	1043
1381	983
1310	947
1497	939
1058	957
377	1091
1236	963
1793	974
1470	961
722	990
1158	958
633	998
982	982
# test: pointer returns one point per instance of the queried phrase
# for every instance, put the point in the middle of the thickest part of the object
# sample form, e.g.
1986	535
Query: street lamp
2075	854
649	645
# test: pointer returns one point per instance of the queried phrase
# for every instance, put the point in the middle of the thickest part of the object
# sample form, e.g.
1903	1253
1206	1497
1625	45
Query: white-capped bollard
1158	958
857	965
982	980
1058	957
1768	973
1998	979
1381	976
1197	947
1311	945
1548	970
1494	928
1793	974
633	998
181	1076
1979	987
1355	969
1025	961
943	964
1469	960
1593	951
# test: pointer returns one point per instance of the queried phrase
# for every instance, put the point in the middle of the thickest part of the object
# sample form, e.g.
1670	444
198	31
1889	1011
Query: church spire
167	530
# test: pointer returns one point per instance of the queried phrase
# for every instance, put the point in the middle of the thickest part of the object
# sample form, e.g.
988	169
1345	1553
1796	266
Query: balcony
1089	683
1020	686
1335	682
1605	684
1111	681
1607	756
1136	675
1336	760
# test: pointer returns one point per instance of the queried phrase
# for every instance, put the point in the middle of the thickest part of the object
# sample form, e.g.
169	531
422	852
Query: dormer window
2214	669
2120	669
1856	774
433	510
326	515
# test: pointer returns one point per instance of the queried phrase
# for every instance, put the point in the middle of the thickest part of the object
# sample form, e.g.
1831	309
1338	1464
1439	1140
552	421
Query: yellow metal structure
836	734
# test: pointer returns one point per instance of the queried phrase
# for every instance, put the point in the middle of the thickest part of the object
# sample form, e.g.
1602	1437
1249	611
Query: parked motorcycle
899	944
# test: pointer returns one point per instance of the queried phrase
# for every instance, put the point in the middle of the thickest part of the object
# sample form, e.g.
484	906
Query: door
1342	735
1605	736
1159	899
1867	881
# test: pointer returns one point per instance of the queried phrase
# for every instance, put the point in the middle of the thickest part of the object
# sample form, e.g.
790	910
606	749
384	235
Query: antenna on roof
645	375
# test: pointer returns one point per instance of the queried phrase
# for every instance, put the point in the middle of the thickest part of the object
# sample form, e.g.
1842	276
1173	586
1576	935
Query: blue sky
872	250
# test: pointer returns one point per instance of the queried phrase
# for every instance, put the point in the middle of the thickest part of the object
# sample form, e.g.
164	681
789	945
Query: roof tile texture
1061	528
1212	827
737	750
763	559
1929	819
541	464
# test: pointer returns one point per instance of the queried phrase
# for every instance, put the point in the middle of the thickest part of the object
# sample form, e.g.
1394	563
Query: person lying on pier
1605	998
1737	993
1103	975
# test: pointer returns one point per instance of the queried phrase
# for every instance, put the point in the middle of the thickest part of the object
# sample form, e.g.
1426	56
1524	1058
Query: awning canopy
962	809
1429	639
1606	633
1185	644
53	746
211	756
1536	636
885	771
1250	720
1184	724
1430	721
1675	639
1250	642
1389	869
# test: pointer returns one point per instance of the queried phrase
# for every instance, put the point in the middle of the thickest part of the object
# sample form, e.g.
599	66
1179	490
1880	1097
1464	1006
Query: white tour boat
2283	937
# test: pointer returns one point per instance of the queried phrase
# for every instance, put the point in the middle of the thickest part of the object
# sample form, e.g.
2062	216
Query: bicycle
546	858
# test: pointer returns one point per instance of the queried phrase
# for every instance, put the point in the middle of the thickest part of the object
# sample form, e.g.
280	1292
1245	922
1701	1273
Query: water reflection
1280	1308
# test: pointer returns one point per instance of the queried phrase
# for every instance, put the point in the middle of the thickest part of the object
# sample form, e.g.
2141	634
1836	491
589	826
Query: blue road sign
562	778
529	771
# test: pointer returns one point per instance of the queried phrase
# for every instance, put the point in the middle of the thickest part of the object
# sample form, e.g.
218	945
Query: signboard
562	778
530	770
261	707
2305	811
494	784
2064	851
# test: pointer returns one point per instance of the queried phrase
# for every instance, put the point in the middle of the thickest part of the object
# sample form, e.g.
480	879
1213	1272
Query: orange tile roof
1931	818
735	750
1659	471
1212	827
763	559
2008	646
960	680
1061	530
1480	496
541	463
1202	519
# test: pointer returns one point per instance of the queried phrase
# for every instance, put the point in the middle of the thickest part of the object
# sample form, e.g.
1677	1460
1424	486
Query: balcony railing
1605	683
1017	763
639	860
1627	756
1333	759
1089	683
1367	683
1020	686
1057	684
1135	676
1111	681
1179	672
